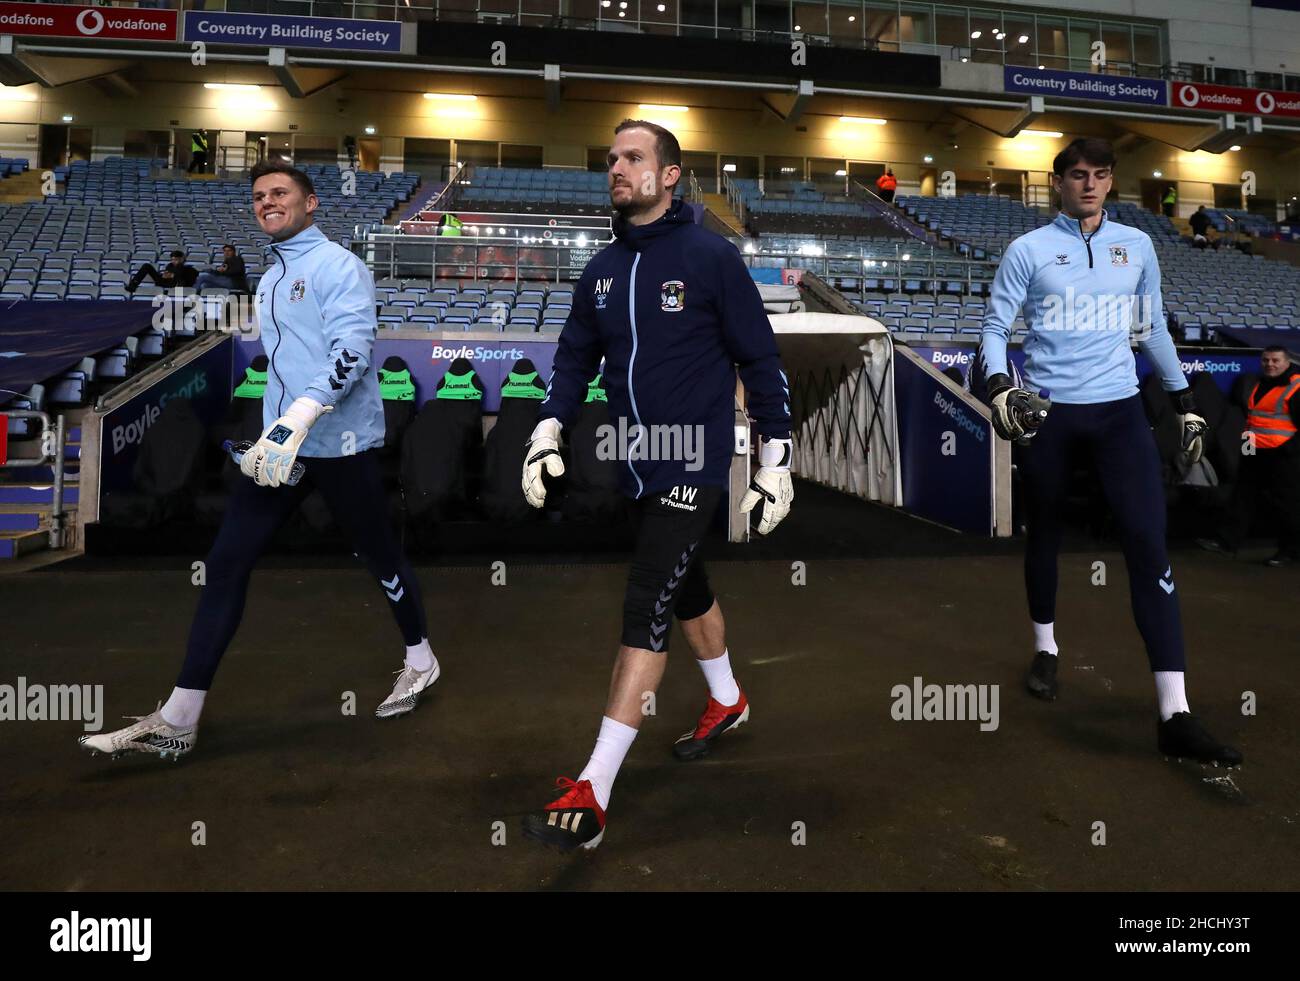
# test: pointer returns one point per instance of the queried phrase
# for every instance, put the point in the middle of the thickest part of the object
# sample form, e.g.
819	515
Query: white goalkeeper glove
543	452
772	484
1192	424
271	459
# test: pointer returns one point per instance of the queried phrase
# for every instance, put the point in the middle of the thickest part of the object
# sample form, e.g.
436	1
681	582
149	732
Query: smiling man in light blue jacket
316	309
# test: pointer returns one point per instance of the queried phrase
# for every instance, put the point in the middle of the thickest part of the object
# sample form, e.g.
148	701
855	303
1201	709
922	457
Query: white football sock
1171	693
717	672
1045	637
184	707
420	656
612	744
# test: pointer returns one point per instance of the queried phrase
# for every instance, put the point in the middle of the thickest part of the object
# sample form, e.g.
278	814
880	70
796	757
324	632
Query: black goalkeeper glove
1017	414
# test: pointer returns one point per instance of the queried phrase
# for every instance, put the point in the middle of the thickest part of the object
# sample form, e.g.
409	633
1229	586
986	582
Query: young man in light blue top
1086	286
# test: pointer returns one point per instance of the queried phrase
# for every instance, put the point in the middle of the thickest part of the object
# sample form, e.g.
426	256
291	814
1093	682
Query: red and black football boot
716	720
576	819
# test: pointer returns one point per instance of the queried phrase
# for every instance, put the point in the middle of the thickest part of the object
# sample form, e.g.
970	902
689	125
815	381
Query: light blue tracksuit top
316	309
1084	298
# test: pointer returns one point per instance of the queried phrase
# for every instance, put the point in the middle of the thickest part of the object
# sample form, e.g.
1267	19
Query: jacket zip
279	334
631	393
1087	239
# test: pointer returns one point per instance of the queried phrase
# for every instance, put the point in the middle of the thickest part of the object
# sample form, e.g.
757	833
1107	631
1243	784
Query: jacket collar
636	237
300	244
1074	226
1281	381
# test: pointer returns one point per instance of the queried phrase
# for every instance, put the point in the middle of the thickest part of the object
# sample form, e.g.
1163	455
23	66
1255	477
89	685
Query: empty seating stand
12	166
978	225
530	189
1203	290
110	217
496	306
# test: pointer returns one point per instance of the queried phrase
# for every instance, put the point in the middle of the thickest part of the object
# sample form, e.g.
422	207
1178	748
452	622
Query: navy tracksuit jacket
674	312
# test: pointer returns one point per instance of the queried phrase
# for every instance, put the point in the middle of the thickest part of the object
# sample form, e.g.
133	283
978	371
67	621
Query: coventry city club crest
1118	255
672	296
298	290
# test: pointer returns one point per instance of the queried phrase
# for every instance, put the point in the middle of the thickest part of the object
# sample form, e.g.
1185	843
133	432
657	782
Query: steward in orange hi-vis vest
1269	417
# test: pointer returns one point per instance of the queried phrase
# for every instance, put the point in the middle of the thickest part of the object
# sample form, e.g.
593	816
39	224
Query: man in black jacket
673	310
1270	462
1200	222
175	273
229	275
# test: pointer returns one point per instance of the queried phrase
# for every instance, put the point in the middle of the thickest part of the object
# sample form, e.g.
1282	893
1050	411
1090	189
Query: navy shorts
667	576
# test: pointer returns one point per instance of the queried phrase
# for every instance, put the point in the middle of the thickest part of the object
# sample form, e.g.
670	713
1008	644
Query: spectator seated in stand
230	275
175	273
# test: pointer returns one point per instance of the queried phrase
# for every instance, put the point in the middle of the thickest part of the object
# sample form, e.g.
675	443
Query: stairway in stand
22	188
27	497
717	203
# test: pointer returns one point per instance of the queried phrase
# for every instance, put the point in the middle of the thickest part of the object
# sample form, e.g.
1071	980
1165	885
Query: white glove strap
772	452
306	411
548	428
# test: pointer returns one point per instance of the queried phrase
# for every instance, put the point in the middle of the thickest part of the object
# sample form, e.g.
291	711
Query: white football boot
406	691
149	734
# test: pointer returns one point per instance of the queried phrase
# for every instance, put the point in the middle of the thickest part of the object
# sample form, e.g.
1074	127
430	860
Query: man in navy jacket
673	311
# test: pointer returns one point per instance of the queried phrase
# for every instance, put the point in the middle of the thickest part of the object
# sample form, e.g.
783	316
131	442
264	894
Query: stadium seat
71	388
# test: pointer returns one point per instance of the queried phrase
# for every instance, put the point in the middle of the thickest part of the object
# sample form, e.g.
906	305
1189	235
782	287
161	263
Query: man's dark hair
265	167
1275	349
667	149
1089	149
229	246
177	254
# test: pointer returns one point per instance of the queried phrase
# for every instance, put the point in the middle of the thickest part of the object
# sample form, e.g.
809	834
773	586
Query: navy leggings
1119	441
353	491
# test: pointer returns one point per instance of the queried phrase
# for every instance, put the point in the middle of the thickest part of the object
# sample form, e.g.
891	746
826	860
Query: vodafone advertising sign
61	20
1228	98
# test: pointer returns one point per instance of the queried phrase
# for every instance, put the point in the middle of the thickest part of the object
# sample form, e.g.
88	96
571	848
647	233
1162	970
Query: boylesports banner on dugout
1223	368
